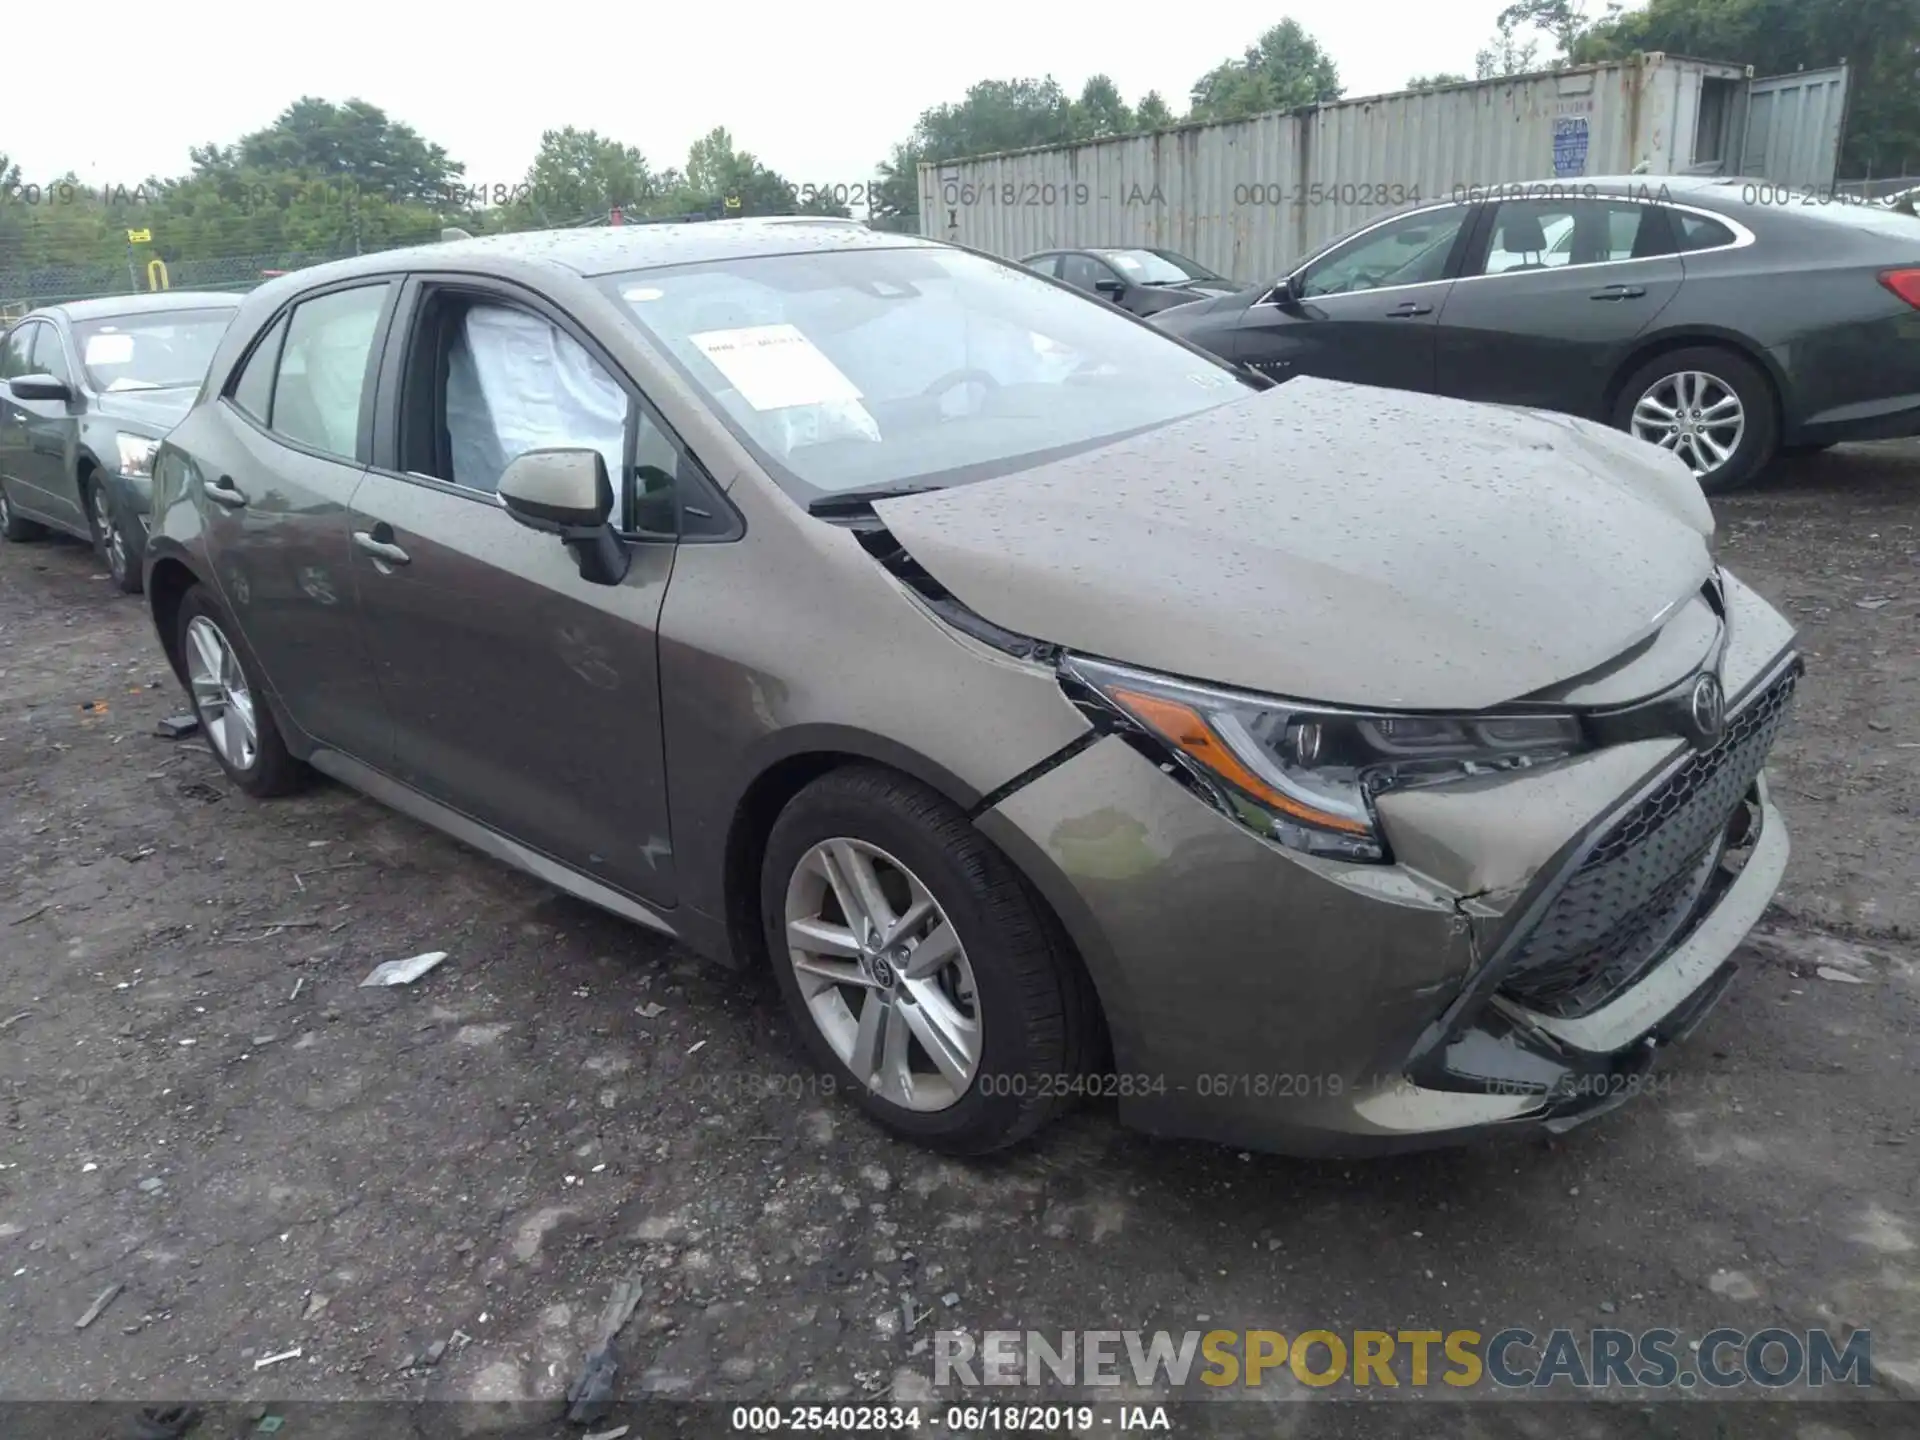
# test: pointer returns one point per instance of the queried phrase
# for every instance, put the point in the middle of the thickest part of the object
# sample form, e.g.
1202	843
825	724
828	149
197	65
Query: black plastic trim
1427	1058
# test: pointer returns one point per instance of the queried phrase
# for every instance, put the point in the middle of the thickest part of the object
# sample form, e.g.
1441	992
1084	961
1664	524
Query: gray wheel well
746	849
166	588
1669	343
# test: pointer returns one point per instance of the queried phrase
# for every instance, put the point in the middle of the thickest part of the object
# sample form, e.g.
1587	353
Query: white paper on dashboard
109	349
775	367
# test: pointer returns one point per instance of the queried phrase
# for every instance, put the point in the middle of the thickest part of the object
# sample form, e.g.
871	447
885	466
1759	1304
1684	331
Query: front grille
1632	896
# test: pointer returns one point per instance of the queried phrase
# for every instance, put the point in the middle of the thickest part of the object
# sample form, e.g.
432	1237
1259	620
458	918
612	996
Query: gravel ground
198	1103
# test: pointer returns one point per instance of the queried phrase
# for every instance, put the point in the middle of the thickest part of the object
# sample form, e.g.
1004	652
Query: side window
321	381
1550	234
1697	232
14	360
1412	250
252	391
1084	271
50	355
1048	265
513	381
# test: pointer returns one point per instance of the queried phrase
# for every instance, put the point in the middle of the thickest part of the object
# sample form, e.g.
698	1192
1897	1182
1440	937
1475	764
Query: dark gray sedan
87	391
1726	320
1141	281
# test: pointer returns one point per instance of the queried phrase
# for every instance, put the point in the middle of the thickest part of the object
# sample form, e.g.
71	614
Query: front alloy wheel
111	539
1696	415
883	974
925	977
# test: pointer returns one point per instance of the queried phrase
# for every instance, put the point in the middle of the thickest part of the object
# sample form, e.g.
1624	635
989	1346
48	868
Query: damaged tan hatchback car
1055	709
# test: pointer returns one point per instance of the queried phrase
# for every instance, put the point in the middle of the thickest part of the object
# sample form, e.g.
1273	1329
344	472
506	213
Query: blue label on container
1569	145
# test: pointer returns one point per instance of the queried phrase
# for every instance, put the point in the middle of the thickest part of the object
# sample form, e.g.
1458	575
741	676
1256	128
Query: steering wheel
953	379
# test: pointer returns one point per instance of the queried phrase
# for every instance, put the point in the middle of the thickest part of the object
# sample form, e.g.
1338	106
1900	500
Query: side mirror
1110	287
1285	290
565	492
40	387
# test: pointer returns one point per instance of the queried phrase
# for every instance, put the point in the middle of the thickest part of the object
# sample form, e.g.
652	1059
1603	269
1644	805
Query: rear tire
15	526
117	545
1679	401
1012	998
231	702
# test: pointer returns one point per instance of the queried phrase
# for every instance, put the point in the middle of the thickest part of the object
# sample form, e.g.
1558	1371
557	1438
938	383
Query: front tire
925	976
1711	407
114	540
13	524
231	702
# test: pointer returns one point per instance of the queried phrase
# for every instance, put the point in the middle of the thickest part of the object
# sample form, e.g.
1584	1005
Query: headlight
136	454
1305	775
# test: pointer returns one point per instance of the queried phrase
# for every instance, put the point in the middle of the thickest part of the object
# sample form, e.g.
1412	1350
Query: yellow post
157	274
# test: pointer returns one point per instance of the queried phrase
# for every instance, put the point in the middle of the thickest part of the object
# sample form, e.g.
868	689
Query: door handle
1620	292
381	549
224	492
1408	310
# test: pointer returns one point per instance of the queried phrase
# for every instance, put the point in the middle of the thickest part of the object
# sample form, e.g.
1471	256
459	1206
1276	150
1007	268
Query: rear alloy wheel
14	525
926	978
230	703
1710	407
111	540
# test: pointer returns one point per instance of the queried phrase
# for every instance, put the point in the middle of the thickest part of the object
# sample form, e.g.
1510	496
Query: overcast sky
818	92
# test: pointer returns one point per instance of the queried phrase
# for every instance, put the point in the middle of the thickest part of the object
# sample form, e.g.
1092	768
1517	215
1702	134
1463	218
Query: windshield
855	369
1157	267
150	352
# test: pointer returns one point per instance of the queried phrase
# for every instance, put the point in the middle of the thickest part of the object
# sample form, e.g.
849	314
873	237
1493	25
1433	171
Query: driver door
1367	310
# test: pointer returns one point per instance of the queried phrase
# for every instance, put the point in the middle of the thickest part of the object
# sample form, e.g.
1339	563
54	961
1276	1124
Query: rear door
276	459
1551	299
522	695
16	356
54	430
1366	309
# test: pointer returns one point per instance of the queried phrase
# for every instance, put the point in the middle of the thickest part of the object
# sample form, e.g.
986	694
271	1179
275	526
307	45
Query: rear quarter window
1699	232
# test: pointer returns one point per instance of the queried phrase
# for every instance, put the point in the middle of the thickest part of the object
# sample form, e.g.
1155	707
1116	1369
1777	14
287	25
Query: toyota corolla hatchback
1055	709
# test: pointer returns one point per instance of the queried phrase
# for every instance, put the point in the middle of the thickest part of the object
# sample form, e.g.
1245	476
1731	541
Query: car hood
1333	542
156	411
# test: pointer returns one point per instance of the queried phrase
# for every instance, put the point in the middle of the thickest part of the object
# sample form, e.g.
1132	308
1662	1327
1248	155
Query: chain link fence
25	289
28	287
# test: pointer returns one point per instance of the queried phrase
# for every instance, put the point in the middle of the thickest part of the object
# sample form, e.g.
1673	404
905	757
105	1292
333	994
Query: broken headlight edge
1303	775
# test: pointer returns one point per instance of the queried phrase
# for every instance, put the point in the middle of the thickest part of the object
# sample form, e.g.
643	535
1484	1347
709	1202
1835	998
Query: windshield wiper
855	500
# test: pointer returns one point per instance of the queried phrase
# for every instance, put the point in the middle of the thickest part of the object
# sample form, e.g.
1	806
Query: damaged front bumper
1278	1001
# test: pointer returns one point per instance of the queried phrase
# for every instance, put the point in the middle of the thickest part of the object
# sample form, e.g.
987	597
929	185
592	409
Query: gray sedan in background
1056	710
1726	320
86	391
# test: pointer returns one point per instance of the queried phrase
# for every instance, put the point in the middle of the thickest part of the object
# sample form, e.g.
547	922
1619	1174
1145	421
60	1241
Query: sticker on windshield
1126	262
775	367
109	349
642	292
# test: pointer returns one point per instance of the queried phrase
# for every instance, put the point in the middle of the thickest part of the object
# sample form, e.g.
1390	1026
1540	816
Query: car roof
612	249
109	307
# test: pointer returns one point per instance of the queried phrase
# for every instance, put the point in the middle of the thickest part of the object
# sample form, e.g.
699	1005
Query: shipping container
1249	198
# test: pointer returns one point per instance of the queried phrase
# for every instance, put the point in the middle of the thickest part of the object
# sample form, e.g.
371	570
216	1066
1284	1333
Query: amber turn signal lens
1186	729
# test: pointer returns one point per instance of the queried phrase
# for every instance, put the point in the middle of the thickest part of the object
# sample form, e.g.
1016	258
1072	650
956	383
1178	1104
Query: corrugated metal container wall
1250	197
1794	125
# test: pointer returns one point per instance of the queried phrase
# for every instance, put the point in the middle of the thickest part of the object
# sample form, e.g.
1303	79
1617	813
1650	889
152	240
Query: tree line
331	178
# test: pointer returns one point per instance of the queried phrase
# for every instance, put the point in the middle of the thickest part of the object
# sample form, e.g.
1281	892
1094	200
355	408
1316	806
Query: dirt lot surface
199	1103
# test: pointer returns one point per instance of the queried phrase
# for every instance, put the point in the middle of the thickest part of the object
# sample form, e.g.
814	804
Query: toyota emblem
1707	709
